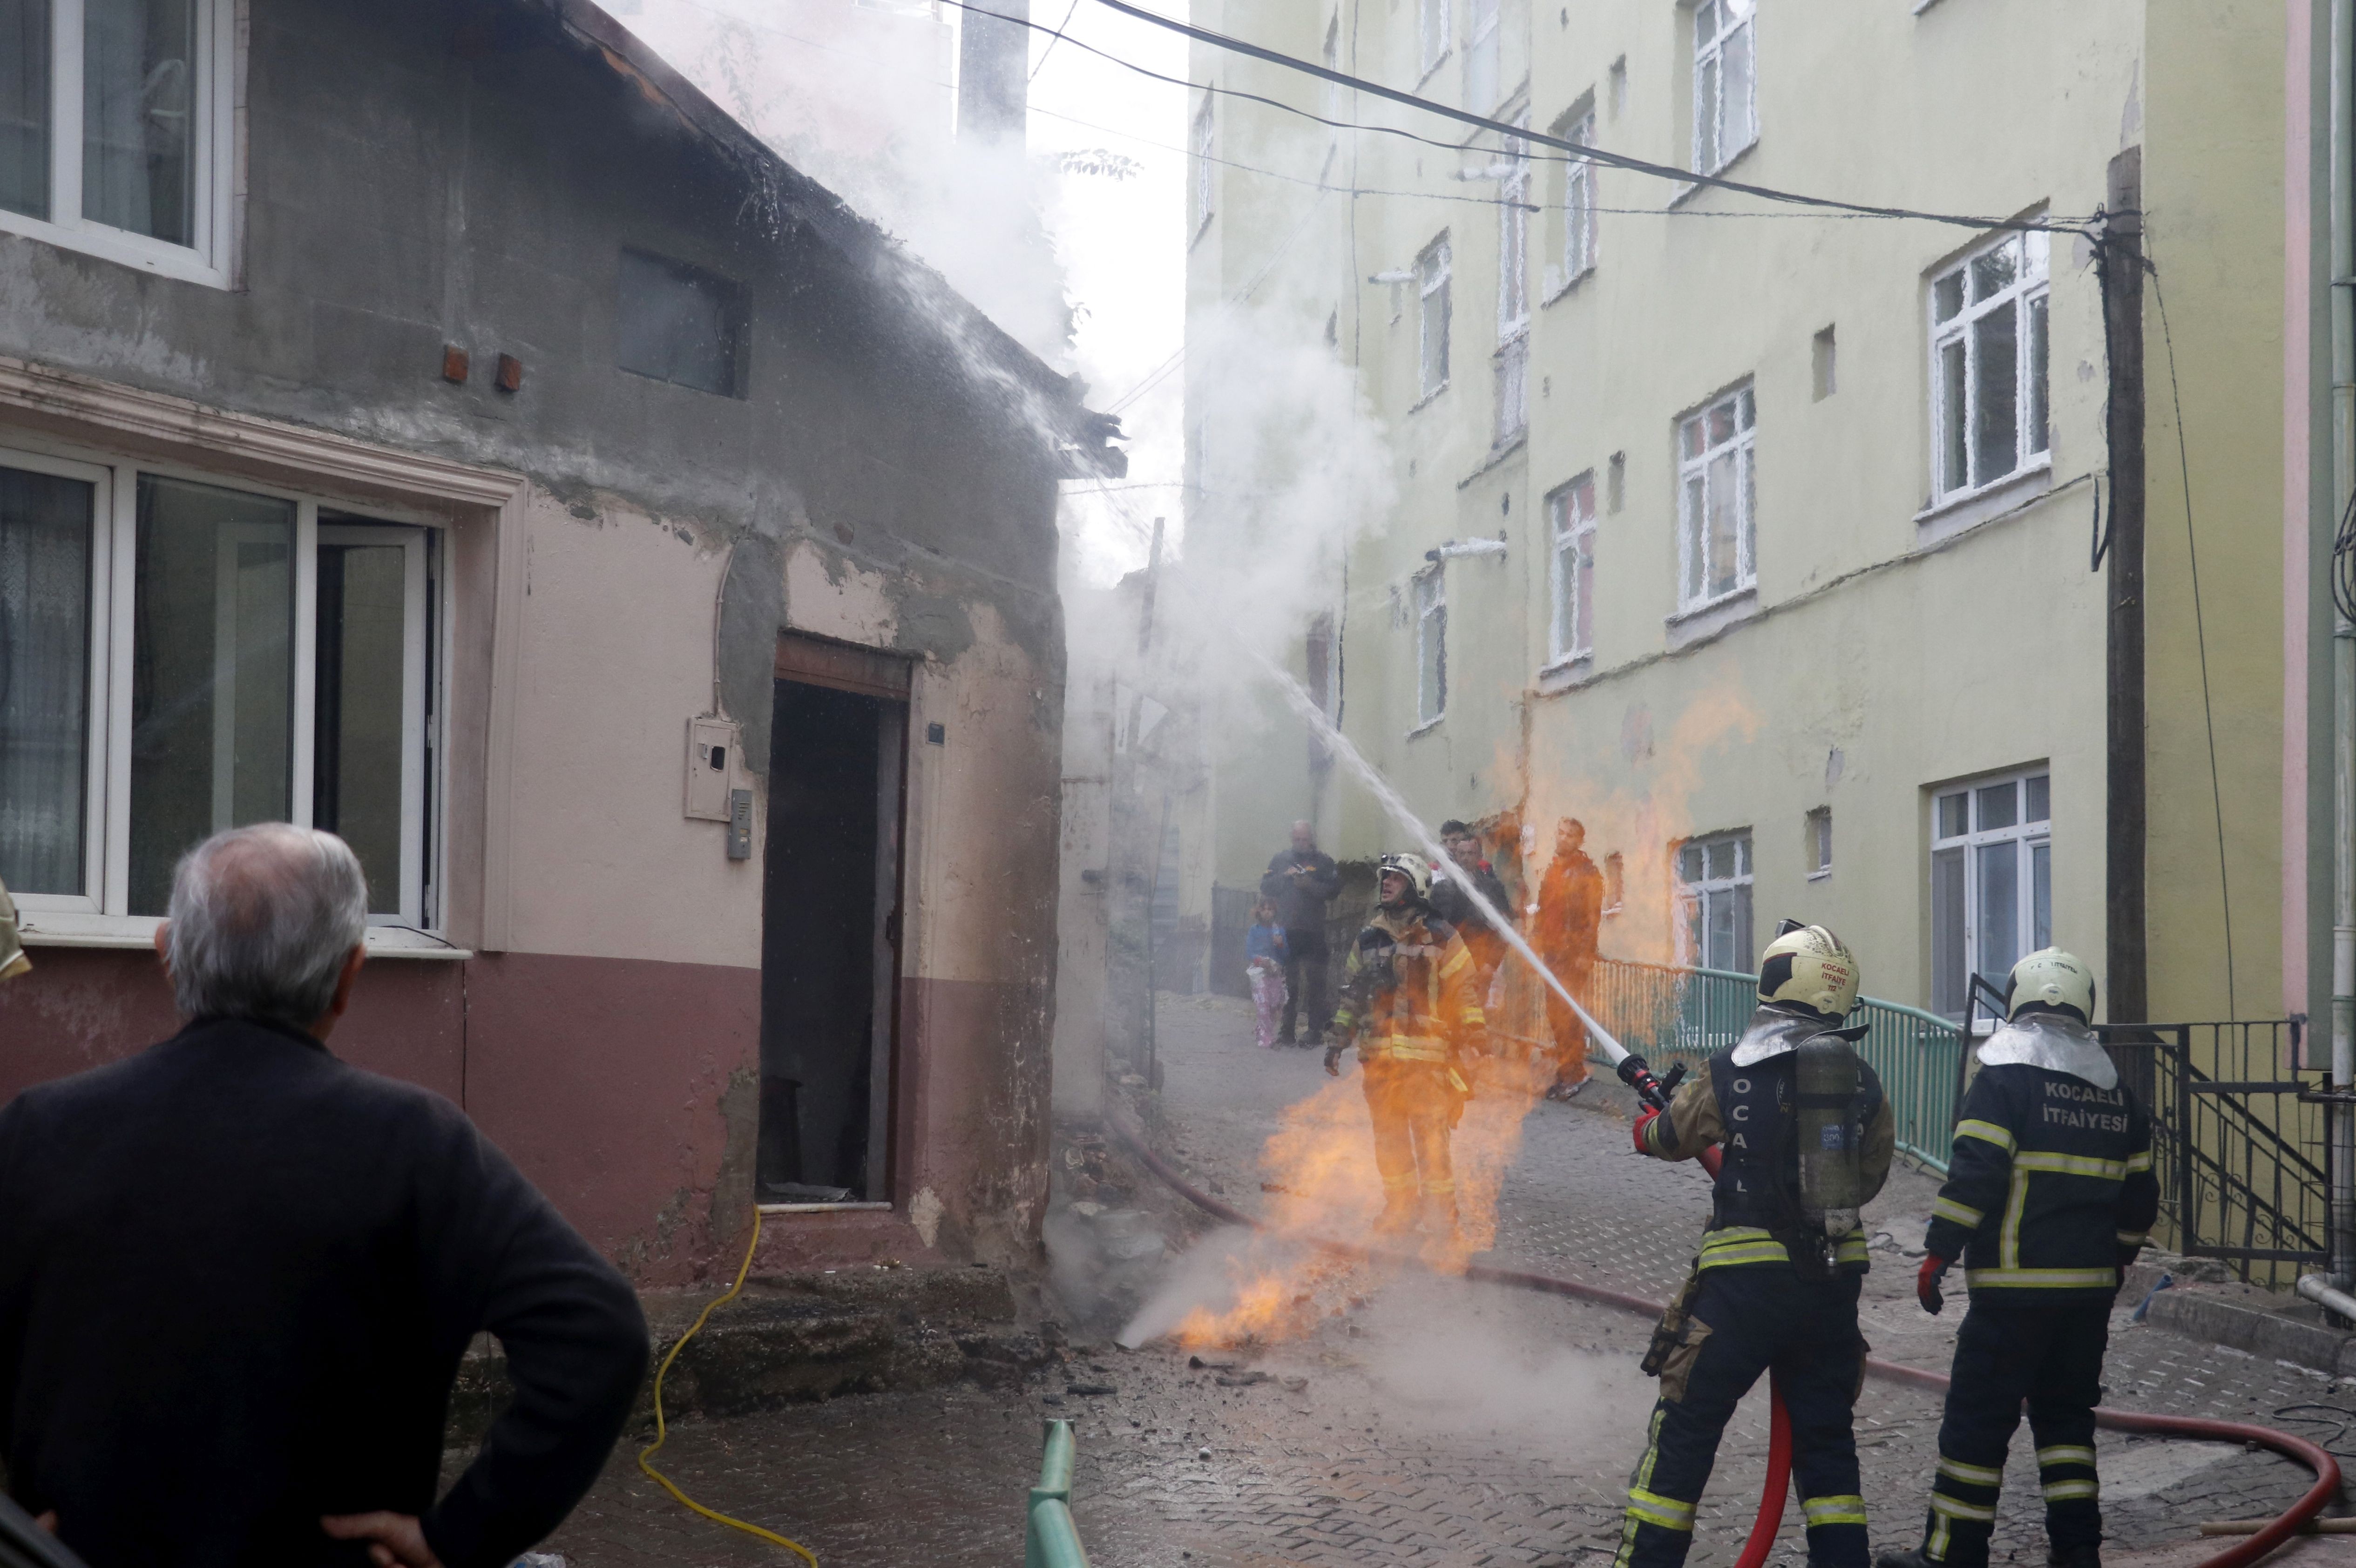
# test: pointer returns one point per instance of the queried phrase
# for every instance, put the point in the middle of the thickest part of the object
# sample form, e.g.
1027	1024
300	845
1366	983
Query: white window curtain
46	534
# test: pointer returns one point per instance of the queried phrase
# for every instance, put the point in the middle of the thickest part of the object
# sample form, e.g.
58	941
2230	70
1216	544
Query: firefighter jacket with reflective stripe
2049	1189
1749	1112
1409	991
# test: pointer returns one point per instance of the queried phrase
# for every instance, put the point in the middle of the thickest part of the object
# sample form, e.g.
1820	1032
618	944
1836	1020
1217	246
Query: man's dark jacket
1450	901
236	1277
1301	901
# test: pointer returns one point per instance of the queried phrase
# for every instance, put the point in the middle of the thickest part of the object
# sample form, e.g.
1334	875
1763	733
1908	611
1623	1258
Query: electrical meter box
713	768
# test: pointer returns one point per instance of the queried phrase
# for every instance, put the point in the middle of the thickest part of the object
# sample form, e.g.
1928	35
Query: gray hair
262	921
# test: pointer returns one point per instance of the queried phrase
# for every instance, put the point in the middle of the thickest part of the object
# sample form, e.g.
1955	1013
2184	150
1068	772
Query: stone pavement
1428	1420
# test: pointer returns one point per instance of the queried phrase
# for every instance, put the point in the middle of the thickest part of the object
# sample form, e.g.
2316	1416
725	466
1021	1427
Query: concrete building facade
449	427
1757	537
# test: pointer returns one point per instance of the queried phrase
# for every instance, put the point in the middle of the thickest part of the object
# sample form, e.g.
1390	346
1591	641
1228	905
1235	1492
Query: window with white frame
1987	357
1513	289
1818	842
1480	87
1570	514
1713	897
1575	236
115	130
1431	645
1991	882
1725	82
1716	536
1431	35
1432	316
1205	149
180	656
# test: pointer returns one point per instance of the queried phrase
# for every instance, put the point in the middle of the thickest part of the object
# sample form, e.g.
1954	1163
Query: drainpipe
2343	647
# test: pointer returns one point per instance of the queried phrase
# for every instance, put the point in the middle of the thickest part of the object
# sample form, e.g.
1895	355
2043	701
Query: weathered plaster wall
413	185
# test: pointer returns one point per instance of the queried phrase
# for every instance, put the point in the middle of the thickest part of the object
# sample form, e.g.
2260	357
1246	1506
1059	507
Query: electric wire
662	1432
1580	151
2200	628
1041	64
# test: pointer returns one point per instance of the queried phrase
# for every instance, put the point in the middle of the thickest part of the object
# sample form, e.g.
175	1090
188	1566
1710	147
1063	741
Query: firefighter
1410	995
1805	1137
2049	1195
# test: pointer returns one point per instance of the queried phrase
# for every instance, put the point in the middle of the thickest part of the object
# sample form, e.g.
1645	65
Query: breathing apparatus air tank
1832	1177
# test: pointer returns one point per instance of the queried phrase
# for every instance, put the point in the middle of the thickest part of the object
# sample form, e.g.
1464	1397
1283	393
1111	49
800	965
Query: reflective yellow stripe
1655	1508
1474	1017
2070	1164
1730	1235
1963	1214
2064	1454
1987	1131
2139	1160
1971	1475
2062	1491
1832	1511
1851	1249
1948	1508
1440	1188
1735	1257
1410	1050
2042	1278
1635	1487
1450	969
2016	1203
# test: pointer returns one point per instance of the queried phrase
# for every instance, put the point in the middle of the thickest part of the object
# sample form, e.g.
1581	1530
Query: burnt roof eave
1082	449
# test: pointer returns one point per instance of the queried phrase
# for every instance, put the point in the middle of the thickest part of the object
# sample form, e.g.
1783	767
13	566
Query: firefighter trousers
1413	1109
1745	1321
2052	1357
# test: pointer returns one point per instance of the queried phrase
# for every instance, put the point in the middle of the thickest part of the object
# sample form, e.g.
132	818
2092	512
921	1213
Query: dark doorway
829	927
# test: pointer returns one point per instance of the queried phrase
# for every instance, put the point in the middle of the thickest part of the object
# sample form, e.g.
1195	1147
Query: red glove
1926	1283
1644	1120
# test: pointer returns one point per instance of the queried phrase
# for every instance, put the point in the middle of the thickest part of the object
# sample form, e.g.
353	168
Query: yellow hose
661	1432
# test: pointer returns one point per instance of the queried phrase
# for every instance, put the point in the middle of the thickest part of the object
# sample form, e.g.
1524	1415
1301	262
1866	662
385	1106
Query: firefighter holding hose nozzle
1804	1136
1411	996
2047	1198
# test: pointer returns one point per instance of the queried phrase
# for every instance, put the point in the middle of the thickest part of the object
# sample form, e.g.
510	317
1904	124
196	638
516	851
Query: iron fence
1673	1013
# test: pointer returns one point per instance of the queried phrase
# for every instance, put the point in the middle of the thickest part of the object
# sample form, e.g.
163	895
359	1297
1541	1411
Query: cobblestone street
1435	1422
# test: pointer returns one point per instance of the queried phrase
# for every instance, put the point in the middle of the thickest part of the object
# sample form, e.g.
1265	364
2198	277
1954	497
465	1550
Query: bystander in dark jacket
236	1276
1303	879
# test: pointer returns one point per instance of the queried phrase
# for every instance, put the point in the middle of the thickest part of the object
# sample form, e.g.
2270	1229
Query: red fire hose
1779	1448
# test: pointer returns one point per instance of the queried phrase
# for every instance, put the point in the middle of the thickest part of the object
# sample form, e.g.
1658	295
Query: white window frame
1205	149
101	911
1430	600
1694	463
1954	340
1513	380
1431	21
1433	270
1570	517
1575	231
2026	837
1696	897
1483	56
212	126
1717	26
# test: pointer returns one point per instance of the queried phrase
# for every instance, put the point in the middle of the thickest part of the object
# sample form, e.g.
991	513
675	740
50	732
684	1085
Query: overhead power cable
1578	150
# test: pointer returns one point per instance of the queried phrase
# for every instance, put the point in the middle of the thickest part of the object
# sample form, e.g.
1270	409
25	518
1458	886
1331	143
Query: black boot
2090	1556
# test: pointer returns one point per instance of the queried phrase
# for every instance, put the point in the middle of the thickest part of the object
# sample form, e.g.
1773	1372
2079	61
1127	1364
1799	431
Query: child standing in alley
1264	963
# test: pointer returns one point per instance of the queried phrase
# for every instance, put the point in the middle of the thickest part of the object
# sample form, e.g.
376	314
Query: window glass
1717	543
1947	296
1954	815
2000	909
2040	896
1689	863
1996	805
358	770
2033	415
2041	789
1431	647
1996	389
1989	358
138	150
25	110
45	593
679	323
212	672
1947	958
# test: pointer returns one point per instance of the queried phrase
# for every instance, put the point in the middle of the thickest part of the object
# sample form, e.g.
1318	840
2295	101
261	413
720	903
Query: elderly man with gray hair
236	1276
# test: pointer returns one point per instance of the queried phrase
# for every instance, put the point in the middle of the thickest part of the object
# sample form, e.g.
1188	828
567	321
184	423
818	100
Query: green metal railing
1052	1540
1671	1013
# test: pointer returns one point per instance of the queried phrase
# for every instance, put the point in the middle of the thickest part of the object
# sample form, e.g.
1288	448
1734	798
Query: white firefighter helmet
12	961
2051	981
1414	868
1808	967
